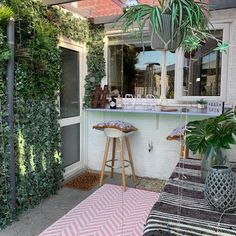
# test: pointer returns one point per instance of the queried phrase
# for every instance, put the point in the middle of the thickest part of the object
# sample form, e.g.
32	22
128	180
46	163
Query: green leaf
222	47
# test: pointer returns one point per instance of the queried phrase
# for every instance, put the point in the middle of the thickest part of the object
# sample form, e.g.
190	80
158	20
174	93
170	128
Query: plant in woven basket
211	137
220	189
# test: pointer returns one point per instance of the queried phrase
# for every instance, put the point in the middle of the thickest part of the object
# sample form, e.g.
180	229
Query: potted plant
174	24
211	137
201	103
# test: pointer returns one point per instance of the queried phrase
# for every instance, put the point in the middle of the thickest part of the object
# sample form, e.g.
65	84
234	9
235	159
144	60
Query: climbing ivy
39	169
95	62
37	131
74	28
5	208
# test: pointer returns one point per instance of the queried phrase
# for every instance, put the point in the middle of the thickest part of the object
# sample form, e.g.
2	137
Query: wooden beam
118	2
219	4
57	2
104	19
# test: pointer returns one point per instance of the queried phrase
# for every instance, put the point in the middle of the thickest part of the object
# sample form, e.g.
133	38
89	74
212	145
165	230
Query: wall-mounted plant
37	81
95	62
73	27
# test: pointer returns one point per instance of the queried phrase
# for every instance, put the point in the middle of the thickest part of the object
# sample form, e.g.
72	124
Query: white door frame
81	48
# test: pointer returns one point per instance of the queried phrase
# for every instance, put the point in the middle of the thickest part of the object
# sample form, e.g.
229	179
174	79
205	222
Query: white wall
160	162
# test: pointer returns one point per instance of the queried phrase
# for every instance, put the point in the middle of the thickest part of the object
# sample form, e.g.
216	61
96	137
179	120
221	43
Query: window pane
204	78
142	70
71	144
69	98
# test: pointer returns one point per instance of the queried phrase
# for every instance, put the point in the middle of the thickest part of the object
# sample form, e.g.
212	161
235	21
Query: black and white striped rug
182	210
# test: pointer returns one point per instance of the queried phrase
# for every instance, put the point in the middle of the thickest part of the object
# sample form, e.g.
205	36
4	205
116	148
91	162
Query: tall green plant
187	19
216	132
187	22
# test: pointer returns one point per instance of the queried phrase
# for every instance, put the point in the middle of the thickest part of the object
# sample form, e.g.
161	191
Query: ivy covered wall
39	169
95	61
5	208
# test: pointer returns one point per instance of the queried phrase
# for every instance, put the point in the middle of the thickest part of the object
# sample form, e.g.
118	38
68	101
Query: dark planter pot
213	156
190	54
220	189
164	40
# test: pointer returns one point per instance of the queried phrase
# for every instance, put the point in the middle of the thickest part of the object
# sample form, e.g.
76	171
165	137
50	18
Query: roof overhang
58	2
220	4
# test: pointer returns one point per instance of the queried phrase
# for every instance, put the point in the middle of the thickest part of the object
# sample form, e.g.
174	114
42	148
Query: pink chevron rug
107	212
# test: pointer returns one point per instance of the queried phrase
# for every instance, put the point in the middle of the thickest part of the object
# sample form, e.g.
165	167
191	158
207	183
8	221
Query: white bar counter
153	128
191	112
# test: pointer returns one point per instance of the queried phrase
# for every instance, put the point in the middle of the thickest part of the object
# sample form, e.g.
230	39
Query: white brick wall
160	162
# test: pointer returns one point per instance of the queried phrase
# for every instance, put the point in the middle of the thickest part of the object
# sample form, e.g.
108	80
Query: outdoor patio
117	118
35	220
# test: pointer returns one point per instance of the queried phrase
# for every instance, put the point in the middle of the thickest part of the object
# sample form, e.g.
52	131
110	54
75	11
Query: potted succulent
173	24
211	137
201	103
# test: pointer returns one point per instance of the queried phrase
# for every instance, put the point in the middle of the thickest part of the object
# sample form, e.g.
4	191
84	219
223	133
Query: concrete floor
34	221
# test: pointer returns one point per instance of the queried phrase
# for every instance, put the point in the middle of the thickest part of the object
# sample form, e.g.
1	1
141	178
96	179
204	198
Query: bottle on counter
119	102
113	103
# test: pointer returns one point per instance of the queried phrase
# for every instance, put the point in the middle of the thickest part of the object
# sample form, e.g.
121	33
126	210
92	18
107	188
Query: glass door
70	109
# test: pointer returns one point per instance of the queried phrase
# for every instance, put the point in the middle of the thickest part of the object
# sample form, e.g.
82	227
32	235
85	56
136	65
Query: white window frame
81	48
179	68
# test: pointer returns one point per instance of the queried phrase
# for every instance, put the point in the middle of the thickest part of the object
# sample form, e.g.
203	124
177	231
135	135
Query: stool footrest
119	167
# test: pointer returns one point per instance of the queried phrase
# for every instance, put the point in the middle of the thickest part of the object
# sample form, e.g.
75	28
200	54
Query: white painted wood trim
75	168
224	71
81	48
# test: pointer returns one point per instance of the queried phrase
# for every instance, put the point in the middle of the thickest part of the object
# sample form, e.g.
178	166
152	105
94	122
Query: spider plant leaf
189	16
173	19
180	13
222	47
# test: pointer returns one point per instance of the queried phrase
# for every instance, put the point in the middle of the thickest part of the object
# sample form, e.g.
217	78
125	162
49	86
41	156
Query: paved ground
34	221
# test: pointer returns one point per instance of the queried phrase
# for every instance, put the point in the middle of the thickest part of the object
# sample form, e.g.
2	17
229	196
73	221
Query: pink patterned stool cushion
177	133
116	124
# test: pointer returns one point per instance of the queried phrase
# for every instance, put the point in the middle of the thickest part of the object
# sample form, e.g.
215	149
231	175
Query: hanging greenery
74	28
69	25
95	62
5	208
37	82
39	169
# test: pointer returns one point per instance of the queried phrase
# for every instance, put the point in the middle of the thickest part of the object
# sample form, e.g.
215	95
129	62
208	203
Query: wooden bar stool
178	134
115	135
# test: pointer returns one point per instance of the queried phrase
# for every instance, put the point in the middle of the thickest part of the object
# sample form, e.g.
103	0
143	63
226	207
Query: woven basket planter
220	188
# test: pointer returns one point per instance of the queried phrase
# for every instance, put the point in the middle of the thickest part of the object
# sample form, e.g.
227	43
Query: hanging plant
174	24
